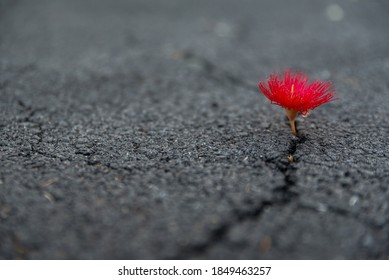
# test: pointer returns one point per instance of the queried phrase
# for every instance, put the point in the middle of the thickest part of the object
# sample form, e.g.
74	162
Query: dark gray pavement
134	129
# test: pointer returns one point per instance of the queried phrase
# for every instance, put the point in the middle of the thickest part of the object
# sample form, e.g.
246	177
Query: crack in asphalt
281	196
288	169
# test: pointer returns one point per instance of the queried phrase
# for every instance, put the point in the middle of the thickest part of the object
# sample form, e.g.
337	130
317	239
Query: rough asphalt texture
135	130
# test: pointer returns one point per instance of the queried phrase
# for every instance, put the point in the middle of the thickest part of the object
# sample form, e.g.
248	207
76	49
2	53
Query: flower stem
292	114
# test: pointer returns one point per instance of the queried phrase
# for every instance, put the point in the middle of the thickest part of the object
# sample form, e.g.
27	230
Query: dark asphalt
135	130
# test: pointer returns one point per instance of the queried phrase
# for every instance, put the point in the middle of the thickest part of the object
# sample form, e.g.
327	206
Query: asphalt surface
135	130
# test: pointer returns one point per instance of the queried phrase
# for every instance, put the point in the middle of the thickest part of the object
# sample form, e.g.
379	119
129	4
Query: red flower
293	92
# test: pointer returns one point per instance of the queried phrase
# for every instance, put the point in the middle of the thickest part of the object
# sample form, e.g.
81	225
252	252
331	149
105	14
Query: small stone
265	244
353	200
48	196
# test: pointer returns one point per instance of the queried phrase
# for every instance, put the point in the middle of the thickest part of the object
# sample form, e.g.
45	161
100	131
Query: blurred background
243	36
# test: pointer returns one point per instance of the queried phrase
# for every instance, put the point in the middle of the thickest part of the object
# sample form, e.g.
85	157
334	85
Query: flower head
293	92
